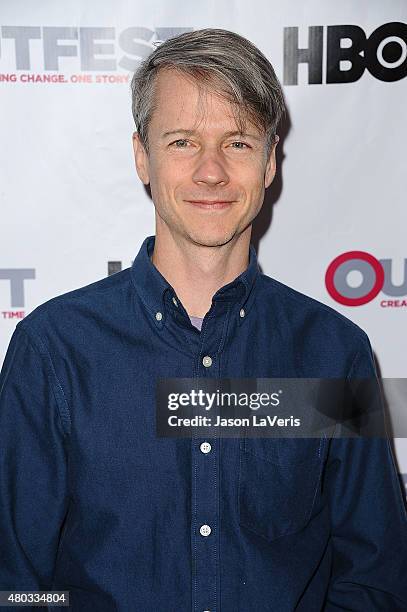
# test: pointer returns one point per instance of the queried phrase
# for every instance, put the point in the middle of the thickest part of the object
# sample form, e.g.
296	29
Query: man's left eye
238	142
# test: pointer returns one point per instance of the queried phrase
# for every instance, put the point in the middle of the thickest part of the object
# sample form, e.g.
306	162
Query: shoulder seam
60	397
73	294
325	307
352	365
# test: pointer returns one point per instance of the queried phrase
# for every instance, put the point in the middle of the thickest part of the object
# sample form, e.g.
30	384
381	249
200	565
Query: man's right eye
180	140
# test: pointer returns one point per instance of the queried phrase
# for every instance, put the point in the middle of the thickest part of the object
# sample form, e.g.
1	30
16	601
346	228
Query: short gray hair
219	59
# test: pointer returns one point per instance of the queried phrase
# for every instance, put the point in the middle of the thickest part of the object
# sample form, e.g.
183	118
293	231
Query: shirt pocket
279	482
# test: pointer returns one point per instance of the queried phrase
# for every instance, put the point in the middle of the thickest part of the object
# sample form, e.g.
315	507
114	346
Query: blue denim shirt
93	502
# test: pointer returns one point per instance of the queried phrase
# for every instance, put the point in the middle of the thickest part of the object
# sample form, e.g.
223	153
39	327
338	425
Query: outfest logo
55	54
375	275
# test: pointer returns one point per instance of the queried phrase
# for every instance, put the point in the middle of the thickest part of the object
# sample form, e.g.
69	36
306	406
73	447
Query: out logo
375	277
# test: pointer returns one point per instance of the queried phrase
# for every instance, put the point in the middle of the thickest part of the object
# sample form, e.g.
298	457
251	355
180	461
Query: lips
210	204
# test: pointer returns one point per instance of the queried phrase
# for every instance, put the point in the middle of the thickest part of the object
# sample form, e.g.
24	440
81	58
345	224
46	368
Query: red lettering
112	78
81	78
8	77
43	78
393	303
12	314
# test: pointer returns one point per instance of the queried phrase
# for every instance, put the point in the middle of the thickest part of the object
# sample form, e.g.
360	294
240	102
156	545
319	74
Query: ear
270	171
141	159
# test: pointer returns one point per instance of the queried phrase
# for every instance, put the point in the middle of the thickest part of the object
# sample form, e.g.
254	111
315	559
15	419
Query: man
92	500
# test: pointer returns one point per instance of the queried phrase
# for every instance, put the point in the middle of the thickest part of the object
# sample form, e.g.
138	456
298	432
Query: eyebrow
226	134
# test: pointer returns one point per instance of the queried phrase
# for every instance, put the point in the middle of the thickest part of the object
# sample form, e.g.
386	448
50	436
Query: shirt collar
151	285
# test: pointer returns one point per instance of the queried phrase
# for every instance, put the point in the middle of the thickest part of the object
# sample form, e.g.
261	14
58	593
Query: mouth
210	204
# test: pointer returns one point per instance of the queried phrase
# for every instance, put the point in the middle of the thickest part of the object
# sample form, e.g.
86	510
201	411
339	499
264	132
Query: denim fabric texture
93	502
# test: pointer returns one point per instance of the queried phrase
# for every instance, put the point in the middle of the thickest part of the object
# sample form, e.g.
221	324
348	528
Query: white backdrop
70	198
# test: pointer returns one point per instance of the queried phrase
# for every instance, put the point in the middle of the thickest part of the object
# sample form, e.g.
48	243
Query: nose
210	169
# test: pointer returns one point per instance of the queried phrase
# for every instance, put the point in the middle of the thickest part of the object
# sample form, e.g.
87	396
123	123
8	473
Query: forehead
180	103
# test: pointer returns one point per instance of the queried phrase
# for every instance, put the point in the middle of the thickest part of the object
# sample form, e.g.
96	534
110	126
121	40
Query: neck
196	271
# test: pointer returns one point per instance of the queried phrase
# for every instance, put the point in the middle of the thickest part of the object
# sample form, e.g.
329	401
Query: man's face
203	159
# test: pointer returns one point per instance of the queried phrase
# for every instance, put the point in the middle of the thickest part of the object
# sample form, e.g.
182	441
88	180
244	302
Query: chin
211	238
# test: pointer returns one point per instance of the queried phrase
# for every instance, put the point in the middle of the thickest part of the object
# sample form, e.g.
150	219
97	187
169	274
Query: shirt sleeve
33	465
368	519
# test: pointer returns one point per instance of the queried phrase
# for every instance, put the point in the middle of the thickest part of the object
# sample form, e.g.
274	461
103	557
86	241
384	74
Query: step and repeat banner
334	222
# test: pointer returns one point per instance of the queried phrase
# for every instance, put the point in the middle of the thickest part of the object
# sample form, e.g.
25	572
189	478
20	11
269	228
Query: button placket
205	523
205	474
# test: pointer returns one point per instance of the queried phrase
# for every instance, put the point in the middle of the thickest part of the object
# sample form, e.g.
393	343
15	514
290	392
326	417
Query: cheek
168	175
167	184
252	182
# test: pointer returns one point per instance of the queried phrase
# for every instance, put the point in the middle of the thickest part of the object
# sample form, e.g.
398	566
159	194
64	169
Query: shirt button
242	312
158	316
175	301
205	530
205	447
207	361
